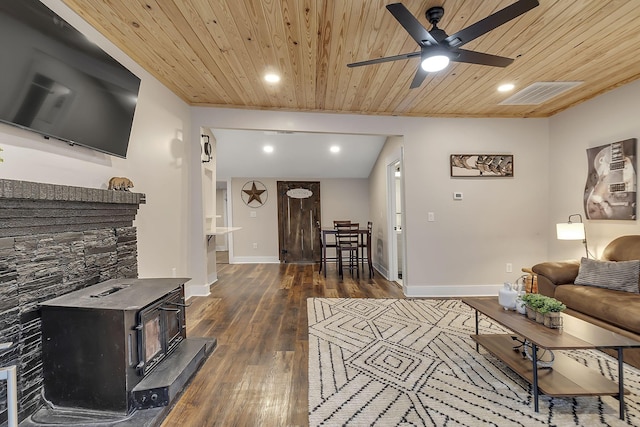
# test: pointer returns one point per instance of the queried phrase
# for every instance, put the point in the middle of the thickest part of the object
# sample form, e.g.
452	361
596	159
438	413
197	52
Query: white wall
497	222
344	199
261	229
608	118
157	163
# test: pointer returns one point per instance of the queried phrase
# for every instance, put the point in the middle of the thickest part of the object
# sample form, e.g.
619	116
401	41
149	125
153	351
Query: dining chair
347	239
365	247
334	243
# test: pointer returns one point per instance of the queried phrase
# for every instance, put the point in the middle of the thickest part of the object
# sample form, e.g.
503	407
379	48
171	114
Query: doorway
299	221
222	240
396	225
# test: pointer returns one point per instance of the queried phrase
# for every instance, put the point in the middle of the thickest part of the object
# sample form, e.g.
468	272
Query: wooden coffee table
566	377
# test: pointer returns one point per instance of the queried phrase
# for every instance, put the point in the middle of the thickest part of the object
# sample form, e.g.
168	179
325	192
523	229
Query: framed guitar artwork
610	190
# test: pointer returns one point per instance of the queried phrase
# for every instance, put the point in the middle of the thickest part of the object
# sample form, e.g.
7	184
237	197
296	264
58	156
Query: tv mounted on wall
55	82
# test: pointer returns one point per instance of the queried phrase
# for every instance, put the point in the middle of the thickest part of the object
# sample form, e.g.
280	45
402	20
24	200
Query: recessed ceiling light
334	149
267	149
272	78
505	87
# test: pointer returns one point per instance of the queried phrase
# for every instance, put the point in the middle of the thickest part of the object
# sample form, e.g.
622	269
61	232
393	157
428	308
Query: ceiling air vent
540	92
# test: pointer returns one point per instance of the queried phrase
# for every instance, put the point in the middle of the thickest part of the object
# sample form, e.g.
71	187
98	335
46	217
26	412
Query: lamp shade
570	231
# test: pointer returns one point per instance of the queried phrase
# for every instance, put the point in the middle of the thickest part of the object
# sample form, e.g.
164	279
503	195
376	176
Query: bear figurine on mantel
120	183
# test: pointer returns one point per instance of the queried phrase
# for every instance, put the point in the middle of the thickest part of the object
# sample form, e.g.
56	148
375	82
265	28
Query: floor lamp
572	231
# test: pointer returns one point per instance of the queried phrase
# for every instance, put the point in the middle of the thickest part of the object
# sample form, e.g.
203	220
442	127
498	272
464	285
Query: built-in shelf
219	231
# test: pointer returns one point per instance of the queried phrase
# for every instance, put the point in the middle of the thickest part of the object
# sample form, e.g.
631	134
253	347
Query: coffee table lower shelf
566	378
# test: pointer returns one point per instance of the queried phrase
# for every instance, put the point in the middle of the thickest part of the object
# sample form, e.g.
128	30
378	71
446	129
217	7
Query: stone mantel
10	189
28	208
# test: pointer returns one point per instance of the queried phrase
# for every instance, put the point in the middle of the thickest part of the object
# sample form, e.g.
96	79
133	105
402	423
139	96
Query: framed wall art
254	194
481	165
610	190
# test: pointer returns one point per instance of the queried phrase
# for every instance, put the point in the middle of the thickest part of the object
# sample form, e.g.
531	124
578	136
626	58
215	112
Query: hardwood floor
222	257
257	376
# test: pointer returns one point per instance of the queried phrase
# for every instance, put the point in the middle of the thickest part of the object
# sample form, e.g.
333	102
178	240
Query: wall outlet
509	268
253	214
431	216
255	246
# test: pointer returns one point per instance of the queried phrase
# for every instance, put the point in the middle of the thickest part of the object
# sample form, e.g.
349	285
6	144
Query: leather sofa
614	310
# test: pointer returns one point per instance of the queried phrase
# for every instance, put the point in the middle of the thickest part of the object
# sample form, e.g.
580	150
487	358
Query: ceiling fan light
434	63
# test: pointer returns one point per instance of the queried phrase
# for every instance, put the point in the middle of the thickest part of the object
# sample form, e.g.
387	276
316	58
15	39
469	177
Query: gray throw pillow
617	275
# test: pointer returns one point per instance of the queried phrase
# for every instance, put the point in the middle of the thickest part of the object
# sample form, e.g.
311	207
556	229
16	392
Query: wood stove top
118	294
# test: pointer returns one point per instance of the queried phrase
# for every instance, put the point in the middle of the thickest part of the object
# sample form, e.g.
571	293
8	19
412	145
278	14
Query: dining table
365	242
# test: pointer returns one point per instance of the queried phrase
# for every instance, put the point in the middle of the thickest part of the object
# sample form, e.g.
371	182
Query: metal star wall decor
254	194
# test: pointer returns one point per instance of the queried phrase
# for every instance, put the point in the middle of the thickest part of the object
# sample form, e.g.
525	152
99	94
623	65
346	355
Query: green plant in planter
552	305
526	298
534	301
551	309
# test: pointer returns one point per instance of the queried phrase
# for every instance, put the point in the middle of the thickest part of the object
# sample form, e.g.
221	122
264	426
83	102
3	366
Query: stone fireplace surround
55	239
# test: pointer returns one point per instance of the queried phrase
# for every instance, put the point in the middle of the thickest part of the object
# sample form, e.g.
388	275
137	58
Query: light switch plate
457	195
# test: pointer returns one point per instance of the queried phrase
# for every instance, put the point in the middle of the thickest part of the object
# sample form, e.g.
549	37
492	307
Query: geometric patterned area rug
411	362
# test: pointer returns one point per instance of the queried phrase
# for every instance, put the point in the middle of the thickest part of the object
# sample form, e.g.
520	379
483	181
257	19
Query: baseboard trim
382	270
193	290
212	278
459	291
254	260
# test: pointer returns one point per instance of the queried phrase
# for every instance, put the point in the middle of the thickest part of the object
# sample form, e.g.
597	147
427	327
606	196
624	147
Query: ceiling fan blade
411	24
385	59
473	57
421	74
487	24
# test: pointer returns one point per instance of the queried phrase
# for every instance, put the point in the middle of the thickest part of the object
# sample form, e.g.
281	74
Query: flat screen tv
55	82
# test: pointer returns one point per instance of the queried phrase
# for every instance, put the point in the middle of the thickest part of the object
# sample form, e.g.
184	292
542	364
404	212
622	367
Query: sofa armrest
552	274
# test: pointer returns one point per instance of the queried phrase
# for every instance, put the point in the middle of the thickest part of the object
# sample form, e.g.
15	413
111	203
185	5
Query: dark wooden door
299	221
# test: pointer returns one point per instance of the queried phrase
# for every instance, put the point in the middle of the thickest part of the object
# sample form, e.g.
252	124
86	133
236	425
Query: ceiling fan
437	48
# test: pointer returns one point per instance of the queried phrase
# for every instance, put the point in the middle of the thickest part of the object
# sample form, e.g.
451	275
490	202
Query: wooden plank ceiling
215	53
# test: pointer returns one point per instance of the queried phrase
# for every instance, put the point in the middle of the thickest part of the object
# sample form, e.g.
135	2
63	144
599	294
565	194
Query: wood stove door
174	323
160	329
150	342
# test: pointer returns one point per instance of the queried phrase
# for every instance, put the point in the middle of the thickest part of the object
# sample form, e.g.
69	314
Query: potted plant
532	302
552	309
540	308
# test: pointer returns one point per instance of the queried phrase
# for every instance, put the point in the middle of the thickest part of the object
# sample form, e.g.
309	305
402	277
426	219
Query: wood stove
100	342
